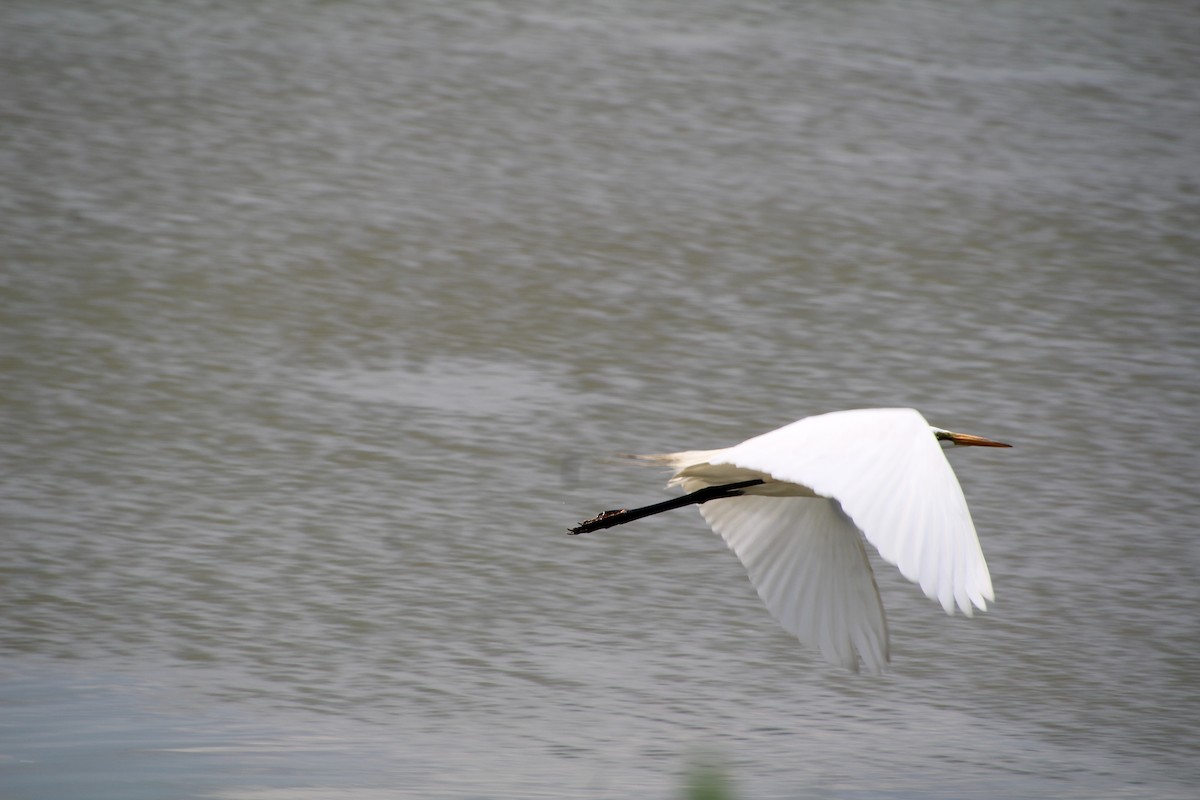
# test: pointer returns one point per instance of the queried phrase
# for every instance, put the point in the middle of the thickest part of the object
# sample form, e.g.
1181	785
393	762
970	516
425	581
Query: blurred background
319	320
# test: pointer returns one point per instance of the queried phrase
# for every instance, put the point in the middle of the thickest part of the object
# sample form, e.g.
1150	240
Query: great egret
794	504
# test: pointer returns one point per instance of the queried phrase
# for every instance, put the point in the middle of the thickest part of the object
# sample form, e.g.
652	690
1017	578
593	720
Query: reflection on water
317	328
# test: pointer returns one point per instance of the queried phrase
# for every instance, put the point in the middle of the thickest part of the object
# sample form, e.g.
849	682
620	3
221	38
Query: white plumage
825	479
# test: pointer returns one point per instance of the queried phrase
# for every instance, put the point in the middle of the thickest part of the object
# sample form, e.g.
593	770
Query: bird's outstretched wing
886	470
806	559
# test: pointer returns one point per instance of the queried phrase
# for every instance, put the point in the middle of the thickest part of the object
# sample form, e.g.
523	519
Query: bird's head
952	439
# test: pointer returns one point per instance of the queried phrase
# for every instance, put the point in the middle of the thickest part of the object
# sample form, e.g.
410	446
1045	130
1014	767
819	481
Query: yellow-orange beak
965	439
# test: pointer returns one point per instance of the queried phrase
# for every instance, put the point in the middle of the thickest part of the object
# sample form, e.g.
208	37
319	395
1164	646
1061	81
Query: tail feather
676	461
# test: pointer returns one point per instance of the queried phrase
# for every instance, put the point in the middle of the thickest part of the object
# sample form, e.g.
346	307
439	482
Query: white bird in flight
794	504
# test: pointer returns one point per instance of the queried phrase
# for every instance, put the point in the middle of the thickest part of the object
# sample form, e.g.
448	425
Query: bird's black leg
608	519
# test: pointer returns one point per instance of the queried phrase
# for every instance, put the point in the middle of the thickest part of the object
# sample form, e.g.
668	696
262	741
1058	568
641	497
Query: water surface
319	321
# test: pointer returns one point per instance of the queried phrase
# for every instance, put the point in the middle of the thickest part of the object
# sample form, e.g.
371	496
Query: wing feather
887	472
806	559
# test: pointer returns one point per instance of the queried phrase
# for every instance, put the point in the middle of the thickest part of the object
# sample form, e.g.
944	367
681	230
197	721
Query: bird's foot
591	524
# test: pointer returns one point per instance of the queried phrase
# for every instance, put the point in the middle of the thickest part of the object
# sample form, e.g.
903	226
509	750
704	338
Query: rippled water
319	320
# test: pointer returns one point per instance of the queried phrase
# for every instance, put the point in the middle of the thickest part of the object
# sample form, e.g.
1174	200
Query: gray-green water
318	320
